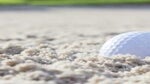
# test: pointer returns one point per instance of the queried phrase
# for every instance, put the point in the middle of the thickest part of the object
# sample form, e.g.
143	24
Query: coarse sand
60	45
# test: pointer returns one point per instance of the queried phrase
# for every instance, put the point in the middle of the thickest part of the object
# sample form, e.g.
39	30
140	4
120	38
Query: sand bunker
60	46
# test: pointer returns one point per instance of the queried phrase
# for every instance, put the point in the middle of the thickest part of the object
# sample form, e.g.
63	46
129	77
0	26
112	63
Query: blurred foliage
72	2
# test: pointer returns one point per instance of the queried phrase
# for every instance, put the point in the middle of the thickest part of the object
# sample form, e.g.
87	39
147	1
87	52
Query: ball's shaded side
133	43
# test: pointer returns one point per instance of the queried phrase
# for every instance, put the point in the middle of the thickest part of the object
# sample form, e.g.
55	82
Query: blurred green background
71	2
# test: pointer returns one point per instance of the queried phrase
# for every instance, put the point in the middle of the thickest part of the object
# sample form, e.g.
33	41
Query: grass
11	2
71	2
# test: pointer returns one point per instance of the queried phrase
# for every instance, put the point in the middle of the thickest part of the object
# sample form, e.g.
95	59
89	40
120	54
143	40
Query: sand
60	45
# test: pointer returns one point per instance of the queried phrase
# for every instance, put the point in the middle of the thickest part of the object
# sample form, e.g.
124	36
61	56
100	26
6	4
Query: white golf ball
132	43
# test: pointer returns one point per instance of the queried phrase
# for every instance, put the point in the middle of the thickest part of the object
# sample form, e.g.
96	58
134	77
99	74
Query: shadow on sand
45	8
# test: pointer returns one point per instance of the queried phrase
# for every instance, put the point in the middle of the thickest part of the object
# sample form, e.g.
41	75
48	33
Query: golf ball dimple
132	43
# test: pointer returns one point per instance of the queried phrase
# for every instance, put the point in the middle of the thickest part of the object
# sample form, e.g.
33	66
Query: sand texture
60	45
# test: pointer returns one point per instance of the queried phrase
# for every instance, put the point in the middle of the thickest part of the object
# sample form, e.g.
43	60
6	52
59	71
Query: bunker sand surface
60	45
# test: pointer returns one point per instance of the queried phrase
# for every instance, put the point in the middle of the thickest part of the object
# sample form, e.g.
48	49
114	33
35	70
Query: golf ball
130	43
